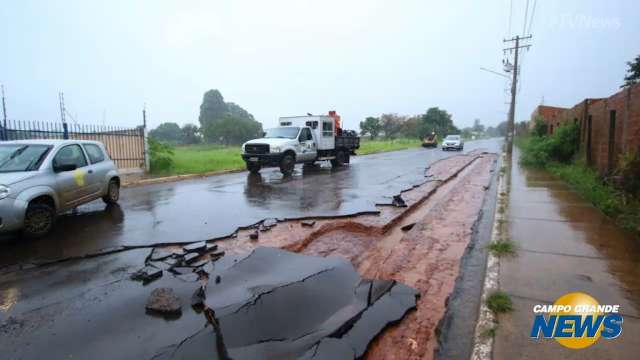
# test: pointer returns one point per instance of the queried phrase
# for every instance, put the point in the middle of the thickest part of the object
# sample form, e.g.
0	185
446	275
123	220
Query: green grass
198	159
381	145
621	206
490	332
499	302
501	247
613	203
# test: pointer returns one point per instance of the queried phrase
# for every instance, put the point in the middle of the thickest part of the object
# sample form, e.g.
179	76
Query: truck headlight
275	149
4	191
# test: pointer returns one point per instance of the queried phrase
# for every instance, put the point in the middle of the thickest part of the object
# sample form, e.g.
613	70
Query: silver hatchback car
40	179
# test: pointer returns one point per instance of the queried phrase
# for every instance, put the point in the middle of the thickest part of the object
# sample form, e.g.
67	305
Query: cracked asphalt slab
268	303
416	244
215	207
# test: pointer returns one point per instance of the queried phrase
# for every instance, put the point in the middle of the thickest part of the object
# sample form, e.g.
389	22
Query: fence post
65	131
145	142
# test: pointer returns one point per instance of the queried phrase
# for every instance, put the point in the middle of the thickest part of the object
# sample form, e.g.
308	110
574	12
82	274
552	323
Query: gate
126	146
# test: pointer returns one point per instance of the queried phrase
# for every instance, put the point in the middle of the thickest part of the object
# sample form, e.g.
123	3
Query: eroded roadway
216	206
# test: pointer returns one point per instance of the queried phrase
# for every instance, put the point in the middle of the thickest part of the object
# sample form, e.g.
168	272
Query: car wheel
287	164
38	220
113	192
253	167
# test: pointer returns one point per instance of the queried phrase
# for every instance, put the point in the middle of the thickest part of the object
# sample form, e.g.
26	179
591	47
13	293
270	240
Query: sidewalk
563	245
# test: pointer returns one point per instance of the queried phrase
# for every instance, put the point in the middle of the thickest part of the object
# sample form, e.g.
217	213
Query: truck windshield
21	157
453	137
282	132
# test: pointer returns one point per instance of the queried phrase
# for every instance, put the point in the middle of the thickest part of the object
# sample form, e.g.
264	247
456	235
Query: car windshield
21	157
282	132
453	137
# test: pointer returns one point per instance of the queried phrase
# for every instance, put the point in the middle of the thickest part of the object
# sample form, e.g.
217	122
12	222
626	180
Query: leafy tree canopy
168	132
372	126
633	72
438	121
226	122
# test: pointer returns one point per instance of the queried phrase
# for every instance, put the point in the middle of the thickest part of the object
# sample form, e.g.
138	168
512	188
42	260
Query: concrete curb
172	178
483	344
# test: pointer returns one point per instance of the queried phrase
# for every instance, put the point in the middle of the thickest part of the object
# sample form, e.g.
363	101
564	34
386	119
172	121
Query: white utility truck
301	139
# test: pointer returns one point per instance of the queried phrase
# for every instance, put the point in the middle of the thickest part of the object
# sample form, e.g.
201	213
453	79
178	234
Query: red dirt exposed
425	256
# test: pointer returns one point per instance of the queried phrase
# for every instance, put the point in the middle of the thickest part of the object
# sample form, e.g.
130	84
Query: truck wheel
287	164
38	220
253	167
340	160
113	193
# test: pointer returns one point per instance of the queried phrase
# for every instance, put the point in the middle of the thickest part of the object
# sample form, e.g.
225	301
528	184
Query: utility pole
4	116
62	108
514	83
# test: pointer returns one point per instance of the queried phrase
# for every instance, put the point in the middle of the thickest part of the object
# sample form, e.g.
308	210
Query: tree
633	72
190	134
231	130
372	126
226	123
168	132
409	127
438	121
391	124
478	127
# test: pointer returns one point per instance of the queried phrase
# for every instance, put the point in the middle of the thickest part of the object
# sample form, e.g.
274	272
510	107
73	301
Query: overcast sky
290	57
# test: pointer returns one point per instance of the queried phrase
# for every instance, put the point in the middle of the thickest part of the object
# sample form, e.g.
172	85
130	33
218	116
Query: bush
561	147
161	156
627	174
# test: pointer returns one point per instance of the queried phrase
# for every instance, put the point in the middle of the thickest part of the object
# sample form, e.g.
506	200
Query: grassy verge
377	146
198	159
620	206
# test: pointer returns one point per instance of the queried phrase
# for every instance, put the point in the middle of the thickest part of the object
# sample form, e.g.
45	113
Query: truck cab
300	139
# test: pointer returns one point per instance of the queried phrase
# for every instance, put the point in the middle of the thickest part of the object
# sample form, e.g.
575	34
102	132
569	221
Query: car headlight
275	149
243	147
4	191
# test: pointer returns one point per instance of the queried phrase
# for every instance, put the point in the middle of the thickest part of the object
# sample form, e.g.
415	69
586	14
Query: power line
526	15
510	16
533	13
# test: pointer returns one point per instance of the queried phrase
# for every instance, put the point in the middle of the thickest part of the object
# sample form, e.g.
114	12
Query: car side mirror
64	167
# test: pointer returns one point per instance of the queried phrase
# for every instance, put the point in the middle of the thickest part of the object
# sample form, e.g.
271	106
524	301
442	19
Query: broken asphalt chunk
160	254
191	257
164	301
398	201
195	247
254	235
308	223
147	274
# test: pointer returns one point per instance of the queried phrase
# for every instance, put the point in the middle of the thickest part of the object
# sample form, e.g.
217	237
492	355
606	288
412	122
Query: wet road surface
216	206
564	245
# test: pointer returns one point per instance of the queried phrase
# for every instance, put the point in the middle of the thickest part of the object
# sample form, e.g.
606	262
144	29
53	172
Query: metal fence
126	146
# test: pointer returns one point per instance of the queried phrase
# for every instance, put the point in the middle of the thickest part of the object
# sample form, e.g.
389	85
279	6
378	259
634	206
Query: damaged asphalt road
268	303
213	207
258	305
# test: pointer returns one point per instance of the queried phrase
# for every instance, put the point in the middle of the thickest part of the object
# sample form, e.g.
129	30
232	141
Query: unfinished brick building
609	127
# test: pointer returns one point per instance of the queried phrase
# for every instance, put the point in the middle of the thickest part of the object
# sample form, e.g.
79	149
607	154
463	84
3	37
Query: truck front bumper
263	159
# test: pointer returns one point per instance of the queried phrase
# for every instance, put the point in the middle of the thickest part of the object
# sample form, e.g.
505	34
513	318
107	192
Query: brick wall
606	146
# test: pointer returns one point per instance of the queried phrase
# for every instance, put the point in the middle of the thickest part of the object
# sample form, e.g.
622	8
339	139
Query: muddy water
564	245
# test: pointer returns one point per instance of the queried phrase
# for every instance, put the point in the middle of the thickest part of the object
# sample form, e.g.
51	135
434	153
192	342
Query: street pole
4	116
514	83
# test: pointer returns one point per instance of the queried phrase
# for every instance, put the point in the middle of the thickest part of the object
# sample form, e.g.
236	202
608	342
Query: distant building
548	114
609	126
